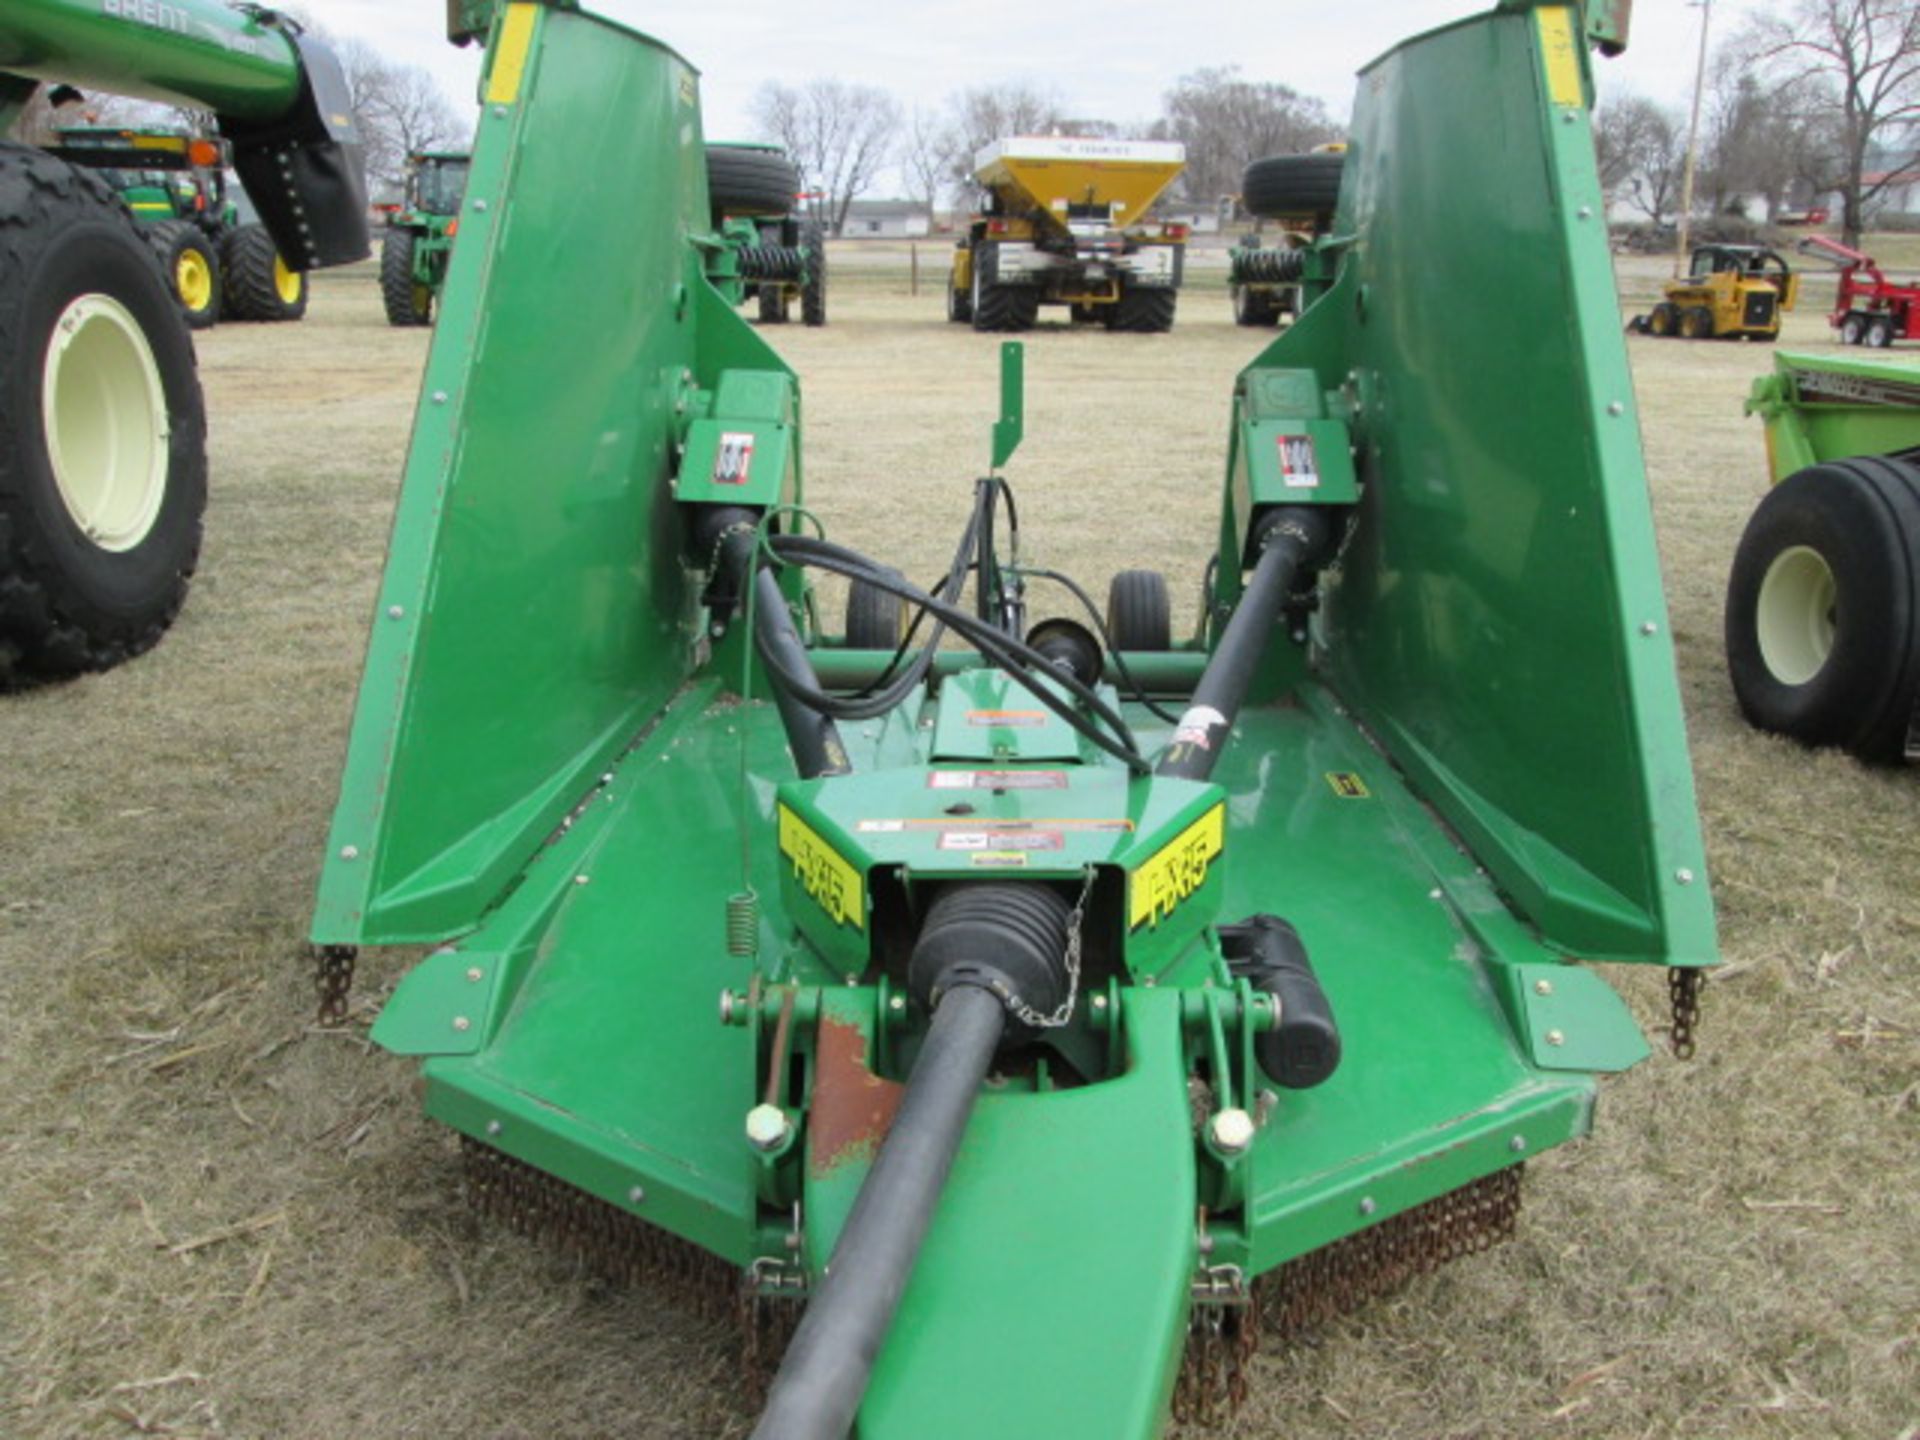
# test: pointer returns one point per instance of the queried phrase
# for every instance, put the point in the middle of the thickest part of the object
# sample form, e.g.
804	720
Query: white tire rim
1794	616
104	412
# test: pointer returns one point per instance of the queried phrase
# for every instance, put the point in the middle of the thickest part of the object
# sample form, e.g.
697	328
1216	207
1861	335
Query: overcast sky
1109	59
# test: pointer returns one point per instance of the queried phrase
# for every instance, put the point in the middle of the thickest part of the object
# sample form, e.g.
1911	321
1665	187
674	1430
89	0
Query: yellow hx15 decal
1560	55
822	872
1177	869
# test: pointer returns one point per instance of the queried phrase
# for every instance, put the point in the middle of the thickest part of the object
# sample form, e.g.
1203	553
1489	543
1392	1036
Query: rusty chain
1684	984
333	981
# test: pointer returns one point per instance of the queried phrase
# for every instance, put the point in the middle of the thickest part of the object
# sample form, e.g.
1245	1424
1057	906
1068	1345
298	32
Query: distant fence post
913	269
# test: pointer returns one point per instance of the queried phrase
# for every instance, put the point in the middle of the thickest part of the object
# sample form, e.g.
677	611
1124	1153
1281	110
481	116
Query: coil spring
772	262
743	924
1267	267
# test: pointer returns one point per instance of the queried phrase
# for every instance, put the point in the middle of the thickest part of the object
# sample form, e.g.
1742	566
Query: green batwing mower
419	238
103	472
773	257
1002	1018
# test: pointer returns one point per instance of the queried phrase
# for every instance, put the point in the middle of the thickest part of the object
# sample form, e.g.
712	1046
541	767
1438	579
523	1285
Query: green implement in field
420	234
1075	995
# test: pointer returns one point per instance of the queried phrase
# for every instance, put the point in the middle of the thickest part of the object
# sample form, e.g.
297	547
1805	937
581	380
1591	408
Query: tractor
1730	292
222	260
771	257
419	238
1012	1016
103	479
1067	221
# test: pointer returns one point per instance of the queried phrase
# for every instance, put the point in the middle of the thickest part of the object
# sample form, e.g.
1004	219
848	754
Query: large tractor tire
187	257
1289	185
1003	308
103	465
1823	608
750	182
813	289
1139	612
1143	311
407	301
259	284
959	302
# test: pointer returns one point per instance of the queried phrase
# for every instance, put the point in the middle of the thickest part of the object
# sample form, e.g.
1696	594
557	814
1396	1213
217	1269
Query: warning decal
1008	719
1002	840
1347	785
1176	870
1299	466
733	460
996	779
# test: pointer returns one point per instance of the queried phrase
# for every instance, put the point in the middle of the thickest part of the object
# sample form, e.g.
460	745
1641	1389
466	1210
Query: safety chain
1223	1331
773	1296
333	980
1024	1012
1684	984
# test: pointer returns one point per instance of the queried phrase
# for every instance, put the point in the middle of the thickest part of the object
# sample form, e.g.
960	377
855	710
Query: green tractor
770	258
419	238
221	259
997	1013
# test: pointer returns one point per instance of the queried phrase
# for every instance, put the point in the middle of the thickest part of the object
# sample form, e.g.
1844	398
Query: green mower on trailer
1823	603
772	257
1012	1031
419	238
103	472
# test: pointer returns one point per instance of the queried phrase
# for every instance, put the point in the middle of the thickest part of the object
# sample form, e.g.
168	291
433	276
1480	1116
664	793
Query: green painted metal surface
1011	427
198	53
1828	407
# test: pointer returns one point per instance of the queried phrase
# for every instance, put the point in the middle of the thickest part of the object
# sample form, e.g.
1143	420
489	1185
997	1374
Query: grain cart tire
959	302
1852	328
191	266
1139	614
1144	312
407	301
1879	333
813	289
1003	307
259	284
1663	320
1823	607
773	302
1696	323
874	617
750	183
103	472
1289	185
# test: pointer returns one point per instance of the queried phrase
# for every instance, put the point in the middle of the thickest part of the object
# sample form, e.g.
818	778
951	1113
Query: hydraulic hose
813	736
1294	540
824	1375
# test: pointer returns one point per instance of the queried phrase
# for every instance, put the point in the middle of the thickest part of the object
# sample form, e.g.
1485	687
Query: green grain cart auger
1005	1015
103	468
419	238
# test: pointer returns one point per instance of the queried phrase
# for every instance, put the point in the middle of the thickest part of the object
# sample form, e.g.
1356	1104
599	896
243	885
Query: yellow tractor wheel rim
290	283
193	281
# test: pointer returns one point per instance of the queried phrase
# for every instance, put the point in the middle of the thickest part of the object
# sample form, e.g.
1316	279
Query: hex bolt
1647	627
767	1127
580	879
726	1007
1585	212
1232	1130
349	852
1685	877
897	1003
1099	1002
473	974
493	1127
1367	1207
462	1023
395	612
1517	1144
1543	987
1615	408
439	397
479	204
636	1195
499	112
1556	1037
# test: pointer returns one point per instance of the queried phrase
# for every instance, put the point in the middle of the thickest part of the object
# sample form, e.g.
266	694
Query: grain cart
103	470
1065	222
999	1018
1869	307
223	261
1823	603
1731	292
772	257
419	238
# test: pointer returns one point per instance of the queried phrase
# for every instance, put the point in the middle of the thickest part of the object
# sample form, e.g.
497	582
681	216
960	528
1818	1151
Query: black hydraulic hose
814	736
1295	540
1134	688
824	1375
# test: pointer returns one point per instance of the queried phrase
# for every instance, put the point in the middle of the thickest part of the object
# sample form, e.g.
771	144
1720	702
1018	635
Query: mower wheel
959	302
1823	608
1251	307
813	289
1663	320
1143	312
1853	328
1696	323
874	617
773	302
103	479
1879	333
1289	185
259	284
192	267
407	301
1139	614
744	180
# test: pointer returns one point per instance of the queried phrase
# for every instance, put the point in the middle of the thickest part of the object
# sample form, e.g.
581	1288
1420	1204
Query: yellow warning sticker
823	872
510	56
1177	869
1348	785
1560	55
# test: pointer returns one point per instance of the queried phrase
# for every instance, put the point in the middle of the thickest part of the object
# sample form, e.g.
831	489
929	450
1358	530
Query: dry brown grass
217	1221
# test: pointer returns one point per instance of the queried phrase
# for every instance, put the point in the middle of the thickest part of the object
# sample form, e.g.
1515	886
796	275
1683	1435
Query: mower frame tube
815	738
821	1382
1294	539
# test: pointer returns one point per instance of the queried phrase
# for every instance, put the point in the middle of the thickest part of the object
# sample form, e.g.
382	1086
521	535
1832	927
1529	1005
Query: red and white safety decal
1008	719
996	779
1299	466
733	461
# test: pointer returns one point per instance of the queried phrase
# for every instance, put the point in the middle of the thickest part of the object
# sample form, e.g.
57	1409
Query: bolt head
349	852
1517	1144
1232	1130
636	1194
439	397
1543	987
1615	408
394	612
897	1003
1685	877
766	1127
726	1007
1556	1037
580	879
493	1127
479	204
474	973
1367	1205
1099	1002
1647	627
462	1023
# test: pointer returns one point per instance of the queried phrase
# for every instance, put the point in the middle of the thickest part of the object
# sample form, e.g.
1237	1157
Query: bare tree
923	155
1639	146
1226	123
1851	70
400	109
838	136
978	117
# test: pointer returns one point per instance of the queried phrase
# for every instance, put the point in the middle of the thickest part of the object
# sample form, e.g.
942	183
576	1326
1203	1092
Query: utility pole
1693	147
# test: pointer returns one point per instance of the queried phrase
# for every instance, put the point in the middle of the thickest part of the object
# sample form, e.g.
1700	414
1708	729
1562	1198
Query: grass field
218	1220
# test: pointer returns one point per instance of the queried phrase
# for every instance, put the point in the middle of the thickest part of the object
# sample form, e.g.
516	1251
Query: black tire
1252	307
773	303
1879	333
959	302
813	289
1143	311
192	268
749	181
258	286
1002	308
400	293
1139	614
1289	185
1853	328
71	601
1823	607
1663	321
875	617
1696	323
